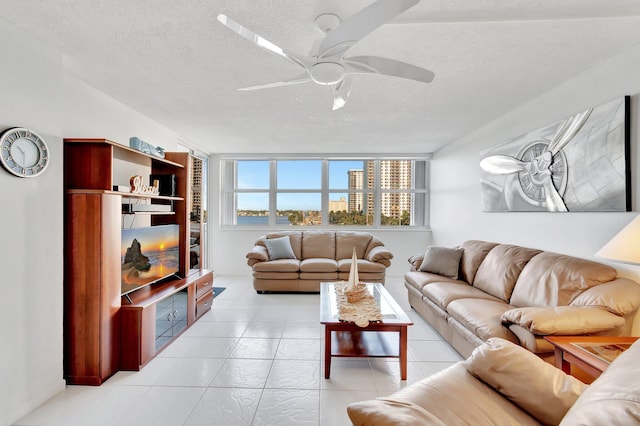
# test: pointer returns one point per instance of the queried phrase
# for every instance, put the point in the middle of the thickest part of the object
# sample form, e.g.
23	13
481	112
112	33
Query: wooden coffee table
386	339
566	352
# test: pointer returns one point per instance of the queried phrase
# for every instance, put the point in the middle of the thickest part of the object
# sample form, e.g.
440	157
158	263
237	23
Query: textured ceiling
175	63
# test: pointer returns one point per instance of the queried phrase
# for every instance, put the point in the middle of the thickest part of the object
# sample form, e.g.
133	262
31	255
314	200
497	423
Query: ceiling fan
327	64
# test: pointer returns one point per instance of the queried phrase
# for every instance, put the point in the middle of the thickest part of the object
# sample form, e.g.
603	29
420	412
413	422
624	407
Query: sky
292	174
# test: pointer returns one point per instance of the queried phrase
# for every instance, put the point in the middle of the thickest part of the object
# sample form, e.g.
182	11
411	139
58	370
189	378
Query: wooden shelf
103	332
124	194
119	146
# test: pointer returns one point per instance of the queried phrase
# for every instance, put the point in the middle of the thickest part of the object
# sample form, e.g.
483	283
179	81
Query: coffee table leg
327	351
403	353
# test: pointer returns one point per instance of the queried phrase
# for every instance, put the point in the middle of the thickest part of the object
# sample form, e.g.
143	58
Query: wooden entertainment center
104	331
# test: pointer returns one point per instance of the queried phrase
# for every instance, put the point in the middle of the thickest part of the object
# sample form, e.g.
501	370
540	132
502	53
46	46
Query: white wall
456	213
36	93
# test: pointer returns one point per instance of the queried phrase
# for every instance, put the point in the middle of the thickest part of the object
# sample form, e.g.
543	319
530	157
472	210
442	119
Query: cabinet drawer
204	304
204	285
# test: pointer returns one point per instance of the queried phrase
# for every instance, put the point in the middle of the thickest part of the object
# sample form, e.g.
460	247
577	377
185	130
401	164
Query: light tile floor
253	360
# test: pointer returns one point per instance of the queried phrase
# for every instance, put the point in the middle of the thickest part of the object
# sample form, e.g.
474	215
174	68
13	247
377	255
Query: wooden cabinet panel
91	319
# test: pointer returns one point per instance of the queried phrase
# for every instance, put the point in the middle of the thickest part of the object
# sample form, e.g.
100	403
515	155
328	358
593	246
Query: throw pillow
442	260
279	248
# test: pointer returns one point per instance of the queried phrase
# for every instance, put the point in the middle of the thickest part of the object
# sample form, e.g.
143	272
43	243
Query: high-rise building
394	175
356	199
338	205
196	187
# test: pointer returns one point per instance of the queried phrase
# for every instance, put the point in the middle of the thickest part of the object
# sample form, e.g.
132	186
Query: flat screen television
149	254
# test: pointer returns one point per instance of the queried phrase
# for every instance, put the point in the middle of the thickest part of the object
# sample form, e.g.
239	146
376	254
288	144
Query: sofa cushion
482	317
442	260
318	265
551	279
346	241
319	276
441	395
276	275
534	385
613	398
344	265
498	273
319	244
620	296
443	293
418	280
473	255
281	265
567	320
279	248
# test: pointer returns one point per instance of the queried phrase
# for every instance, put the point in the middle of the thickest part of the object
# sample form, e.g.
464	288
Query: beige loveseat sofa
312	257
482	290
504	384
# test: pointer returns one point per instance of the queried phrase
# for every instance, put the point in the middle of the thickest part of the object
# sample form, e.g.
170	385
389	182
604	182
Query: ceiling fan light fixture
327	73
327	22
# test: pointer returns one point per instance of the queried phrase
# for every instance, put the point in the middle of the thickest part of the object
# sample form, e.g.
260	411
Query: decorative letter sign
137	187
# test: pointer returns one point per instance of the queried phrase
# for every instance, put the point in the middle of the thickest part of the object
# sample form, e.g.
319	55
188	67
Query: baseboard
34	402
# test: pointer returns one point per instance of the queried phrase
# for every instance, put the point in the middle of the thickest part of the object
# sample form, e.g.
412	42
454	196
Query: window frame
228	190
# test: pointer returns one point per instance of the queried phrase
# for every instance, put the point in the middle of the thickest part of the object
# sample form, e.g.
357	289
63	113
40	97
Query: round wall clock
23	152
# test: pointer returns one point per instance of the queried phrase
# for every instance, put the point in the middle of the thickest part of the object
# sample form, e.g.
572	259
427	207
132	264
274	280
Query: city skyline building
356	199
394	175
338	205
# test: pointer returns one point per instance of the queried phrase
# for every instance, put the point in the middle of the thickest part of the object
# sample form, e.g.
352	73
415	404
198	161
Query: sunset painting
148	254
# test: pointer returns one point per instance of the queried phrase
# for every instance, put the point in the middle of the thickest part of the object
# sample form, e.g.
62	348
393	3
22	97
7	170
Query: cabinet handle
169	317
175	314
206	284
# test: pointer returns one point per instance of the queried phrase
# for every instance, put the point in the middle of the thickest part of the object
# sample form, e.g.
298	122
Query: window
325	192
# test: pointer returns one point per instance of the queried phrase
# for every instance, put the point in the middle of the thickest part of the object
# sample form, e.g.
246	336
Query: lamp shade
625	246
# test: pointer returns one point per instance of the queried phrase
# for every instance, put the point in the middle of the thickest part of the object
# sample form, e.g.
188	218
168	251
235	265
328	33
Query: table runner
361	312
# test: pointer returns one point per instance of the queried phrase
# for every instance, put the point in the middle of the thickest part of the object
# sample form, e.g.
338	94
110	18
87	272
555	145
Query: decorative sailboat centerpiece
354	290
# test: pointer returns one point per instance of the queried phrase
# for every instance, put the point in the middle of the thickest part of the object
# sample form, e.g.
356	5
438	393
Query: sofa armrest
257	254
563	320
539	388
620	296
379	254
415	261
388	412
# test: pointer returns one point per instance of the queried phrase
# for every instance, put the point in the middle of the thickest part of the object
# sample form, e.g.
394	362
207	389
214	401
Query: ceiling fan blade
502	165
302	78
568	130
341	92
264	43
555	203
359	25
386	66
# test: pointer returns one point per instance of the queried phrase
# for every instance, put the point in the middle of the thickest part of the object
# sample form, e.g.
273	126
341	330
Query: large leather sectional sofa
518	294
504	384
315	257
